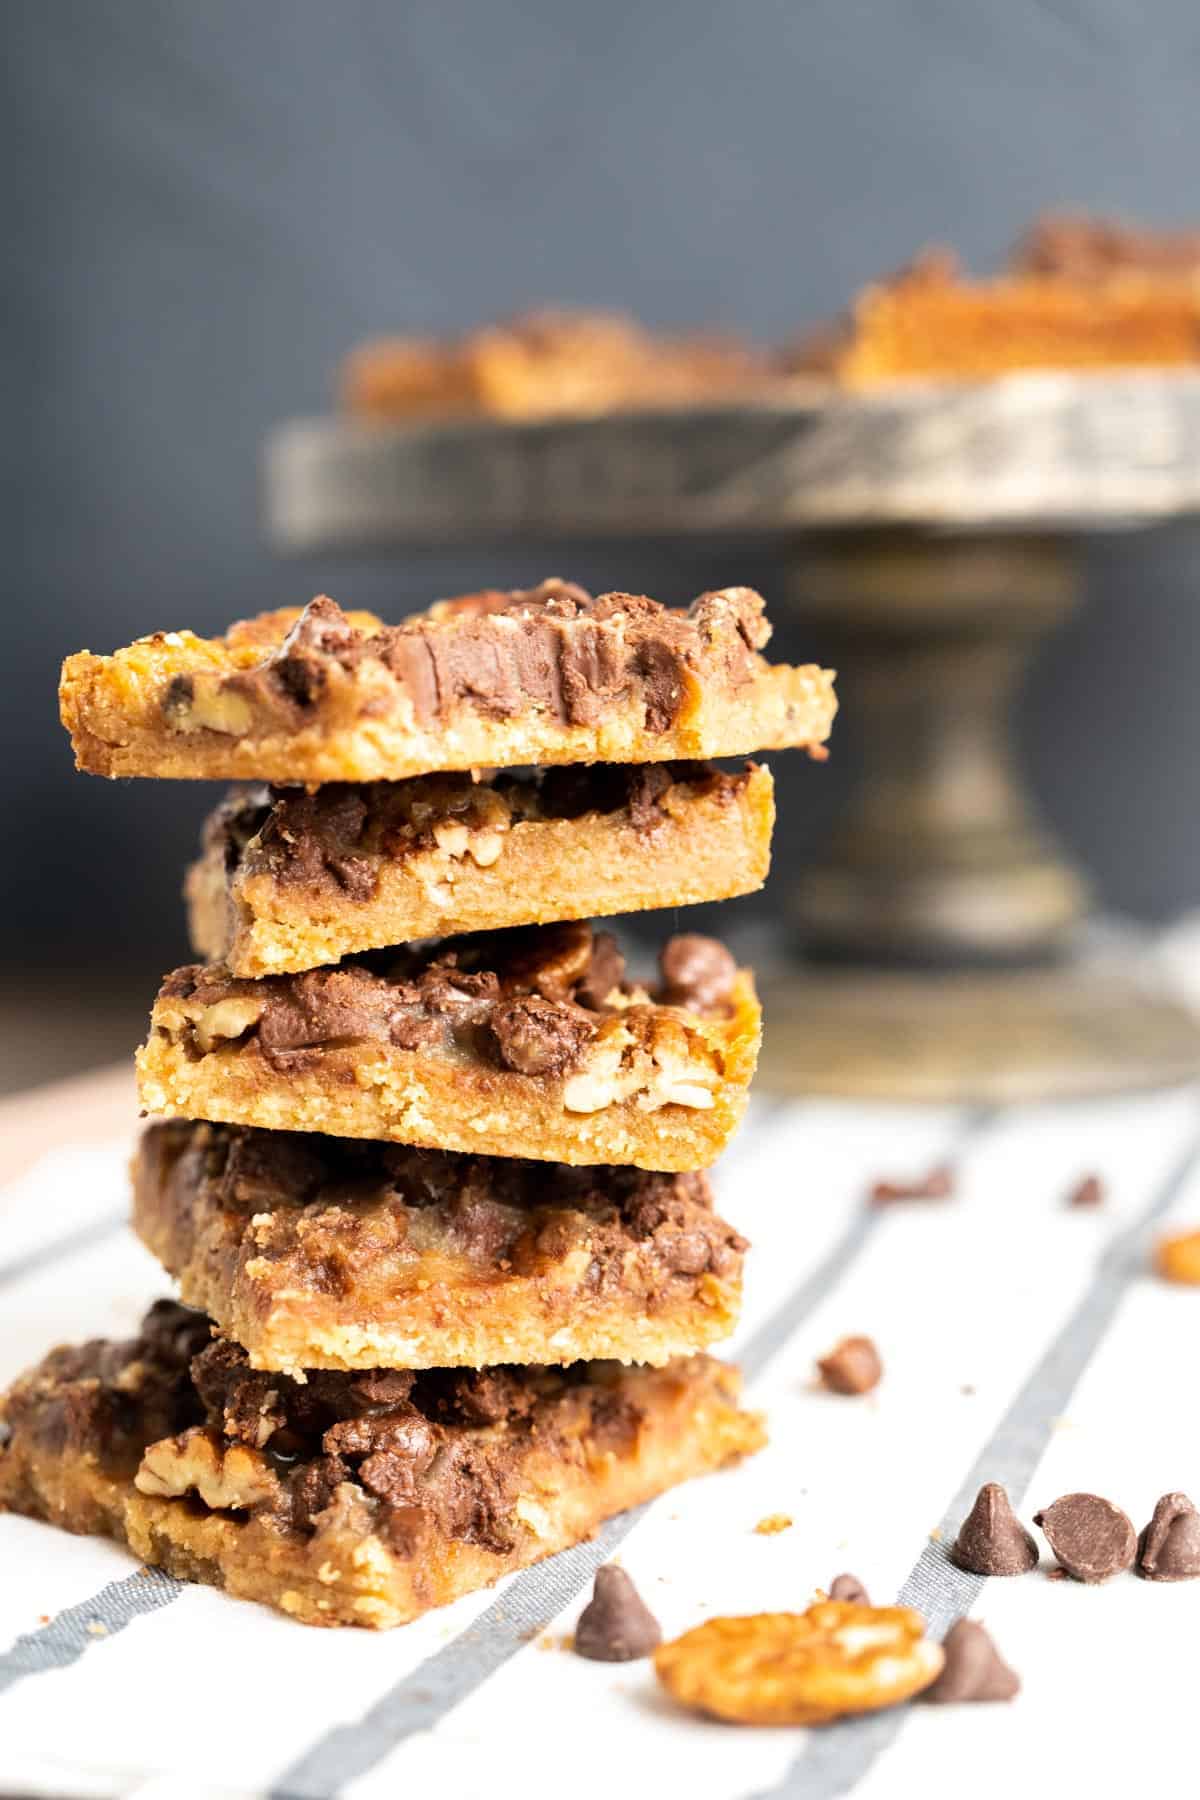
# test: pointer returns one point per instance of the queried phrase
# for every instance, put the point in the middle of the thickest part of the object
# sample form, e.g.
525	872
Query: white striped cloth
1023	1342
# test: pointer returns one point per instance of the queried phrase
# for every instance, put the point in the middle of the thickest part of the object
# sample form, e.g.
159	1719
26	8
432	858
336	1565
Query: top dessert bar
1079	293
544	365
551	675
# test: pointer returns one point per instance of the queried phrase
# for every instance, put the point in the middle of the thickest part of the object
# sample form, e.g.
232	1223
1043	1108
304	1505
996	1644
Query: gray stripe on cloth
85	1238
835	1759
534	1598
69	1634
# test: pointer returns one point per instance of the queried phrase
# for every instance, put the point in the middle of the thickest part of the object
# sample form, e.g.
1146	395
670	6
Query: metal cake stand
937	533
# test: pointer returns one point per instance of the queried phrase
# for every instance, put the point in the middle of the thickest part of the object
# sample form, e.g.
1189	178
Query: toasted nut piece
1178	1258
801	1668
225	1019
452	837
224	1475
485	847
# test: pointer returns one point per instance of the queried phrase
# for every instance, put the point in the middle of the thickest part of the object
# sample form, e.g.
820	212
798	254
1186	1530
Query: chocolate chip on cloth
852	1367
697	972
1092	1539
1087	1193
937	1185
616	1625
1169	1547
991	1539
849	1589
973	1670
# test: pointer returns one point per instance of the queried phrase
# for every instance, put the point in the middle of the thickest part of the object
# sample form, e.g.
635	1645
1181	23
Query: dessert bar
317	1252
1078	294
542	365
526	1043
290	880
348	1499
547	676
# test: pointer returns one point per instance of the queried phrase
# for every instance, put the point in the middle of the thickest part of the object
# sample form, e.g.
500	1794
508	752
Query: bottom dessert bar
336	1253
349	1499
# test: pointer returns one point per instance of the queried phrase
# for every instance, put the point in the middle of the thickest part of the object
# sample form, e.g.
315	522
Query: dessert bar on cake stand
949	946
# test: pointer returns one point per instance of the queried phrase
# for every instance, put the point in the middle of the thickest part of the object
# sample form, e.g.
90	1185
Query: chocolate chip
973	1669
852	1367
696	971
312	1487
605	972
937	1185
1169	1547
1092	1538
991	1539
648	782
849	1589
1088	1192
538	1037
616	1625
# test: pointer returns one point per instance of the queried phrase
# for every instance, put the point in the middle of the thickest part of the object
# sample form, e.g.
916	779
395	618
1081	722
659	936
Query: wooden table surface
95	1106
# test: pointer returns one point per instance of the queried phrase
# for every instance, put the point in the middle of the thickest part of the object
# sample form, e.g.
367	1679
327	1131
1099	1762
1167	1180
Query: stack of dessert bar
429	1159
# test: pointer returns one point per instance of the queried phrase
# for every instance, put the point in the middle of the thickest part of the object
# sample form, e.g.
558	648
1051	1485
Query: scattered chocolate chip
1092	1538
991	1539
1169	1547
849	1589
1088	1192
696	971
616	1625
973	1670
852	1367
937	1185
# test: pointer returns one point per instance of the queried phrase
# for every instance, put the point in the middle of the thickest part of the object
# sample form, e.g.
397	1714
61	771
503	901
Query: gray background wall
207	203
